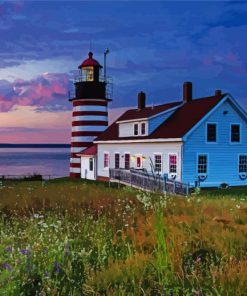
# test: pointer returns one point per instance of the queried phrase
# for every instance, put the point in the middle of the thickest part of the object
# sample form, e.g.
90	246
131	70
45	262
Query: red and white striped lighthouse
90	114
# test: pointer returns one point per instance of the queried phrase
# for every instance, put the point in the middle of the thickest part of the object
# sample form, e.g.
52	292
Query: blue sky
154	47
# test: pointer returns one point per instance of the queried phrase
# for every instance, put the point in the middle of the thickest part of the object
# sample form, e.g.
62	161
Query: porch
148	181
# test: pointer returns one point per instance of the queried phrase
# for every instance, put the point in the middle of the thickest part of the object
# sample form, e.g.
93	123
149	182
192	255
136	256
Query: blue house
200	141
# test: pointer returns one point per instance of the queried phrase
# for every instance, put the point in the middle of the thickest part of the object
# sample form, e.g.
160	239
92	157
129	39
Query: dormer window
136	129
143	128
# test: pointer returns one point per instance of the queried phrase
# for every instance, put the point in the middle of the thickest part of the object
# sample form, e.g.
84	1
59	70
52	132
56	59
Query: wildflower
6	266
25	251
238	206
56	267
46	274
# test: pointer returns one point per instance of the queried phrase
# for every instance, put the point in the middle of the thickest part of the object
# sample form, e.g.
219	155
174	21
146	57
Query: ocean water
45	161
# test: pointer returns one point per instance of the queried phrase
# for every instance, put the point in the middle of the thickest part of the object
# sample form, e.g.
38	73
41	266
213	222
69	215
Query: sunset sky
154	47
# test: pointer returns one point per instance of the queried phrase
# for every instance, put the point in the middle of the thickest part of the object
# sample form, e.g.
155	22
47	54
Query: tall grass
82	238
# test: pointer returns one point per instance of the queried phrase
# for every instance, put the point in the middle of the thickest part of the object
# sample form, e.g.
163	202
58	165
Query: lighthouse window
89	74
136	125
242	164
106	160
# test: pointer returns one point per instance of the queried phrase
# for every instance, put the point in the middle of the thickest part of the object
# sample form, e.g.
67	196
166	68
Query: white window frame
170	154
197	163
145	124
138	128
138	155
208	142
89	162
161	163
240	133
129	159
241	154
106	153
115	159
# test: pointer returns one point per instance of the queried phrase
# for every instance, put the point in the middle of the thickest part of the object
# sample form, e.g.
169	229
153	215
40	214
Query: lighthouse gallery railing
149	182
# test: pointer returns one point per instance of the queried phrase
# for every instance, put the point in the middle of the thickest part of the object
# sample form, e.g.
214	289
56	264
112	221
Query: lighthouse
90	109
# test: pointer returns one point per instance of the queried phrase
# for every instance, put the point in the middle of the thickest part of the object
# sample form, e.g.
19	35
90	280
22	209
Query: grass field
82	238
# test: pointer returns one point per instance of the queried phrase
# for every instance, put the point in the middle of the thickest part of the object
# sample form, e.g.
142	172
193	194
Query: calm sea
24	161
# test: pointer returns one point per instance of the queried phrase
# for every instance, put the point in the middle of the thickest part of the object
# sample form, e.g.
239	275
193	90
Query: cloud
47	91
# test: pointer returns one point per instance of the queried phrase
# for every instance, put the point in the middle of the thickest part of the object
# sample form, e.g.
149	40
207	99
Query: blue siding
222	155
155	122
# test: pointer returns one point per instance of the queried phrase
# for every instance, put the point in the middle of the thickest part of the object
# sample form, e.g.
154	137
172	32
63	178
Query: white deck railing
148	181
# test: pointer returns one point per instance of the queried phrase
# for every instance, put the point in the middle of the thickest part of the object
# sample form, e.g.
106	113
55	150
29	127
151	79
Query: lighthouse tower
90	115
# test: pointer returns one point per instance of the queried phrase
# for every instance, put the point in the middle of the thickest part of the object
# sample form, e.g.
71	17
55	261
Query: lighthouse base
75	175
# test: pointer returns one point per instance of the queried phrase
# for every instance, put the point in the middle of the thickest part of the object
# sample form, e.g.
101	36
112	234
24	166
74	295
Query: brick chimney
217	93
141	100
187	92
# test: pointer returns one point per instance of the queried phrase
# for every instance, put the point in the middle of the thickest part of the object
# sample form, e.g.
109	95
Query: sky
154	47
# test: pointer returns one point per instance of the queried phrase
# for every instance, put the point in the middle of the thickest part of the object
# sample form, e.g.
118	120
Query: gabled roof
90	151
176	126
147	112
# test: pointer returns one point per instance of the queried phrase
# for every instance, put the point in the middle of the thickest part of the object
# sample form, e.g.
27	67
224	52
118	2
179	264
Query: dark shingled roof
147	112
176	126
90	151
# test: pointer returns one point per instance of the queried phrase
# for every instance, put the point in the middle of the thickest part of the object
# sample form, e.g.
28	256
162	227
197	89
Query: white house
193	140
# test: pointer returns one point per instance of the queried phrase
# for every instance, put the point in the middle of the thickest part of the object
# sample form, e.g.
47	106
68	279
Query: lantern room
90	69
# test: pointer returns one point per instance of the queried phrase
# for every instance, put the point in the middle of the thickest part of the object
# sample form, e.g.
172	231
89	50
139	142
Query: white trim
240	154
135	165
197	156
161	169
240	133
106	167
204	118
172	153
227	97
138	128
140	141
206	133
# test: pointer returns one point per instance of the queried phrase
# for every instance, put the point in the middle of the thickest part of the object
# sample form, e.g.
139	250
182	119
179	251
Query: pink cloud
48	88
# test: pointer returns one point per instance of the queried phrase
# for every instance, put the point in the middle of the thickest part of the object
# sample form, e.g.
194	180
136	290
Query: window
211	132
143	128
117	160
90	164
135	129
138	161
172	163
202	163
235	133
106	160
157	163
242	164
127	161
